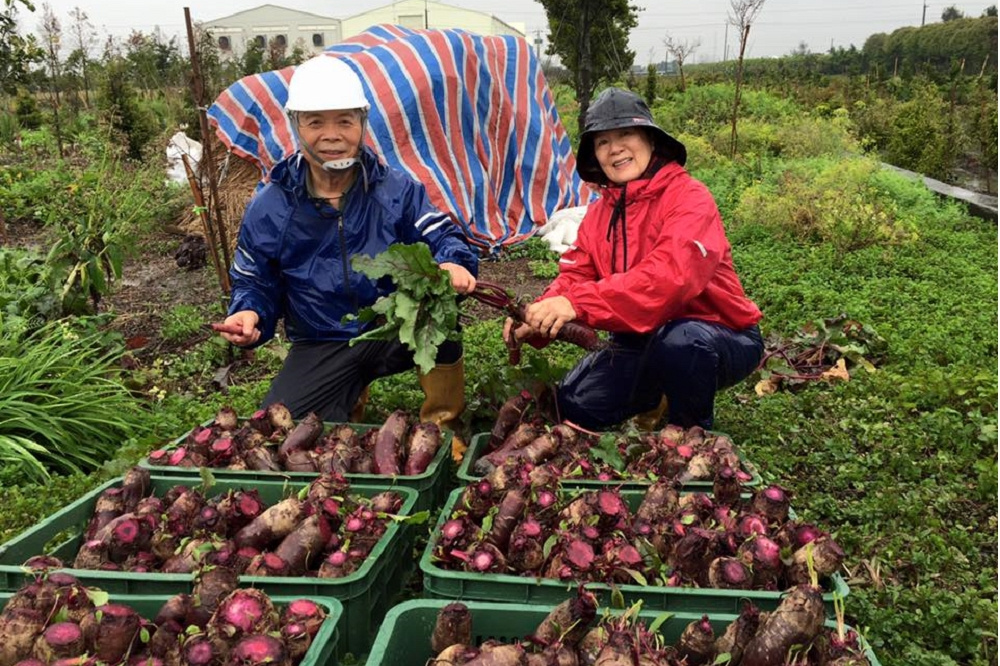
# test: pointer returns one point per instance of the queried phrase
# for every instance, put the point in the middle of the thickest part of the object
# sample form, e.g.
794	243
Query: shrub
921	139
121	109
835	202
29	116
10	128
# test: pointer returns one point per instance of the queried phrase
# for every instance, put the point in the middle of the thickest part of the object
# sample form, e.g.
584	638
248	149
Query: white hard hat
325	83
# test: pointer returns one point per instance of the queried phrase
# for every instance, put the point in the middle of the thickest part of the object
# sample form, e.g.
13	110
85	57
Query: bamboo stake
207	159
202	210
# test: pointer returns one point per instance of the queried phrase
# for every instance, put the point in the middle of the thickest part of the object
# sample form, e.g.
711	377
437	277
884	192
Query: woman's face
623	153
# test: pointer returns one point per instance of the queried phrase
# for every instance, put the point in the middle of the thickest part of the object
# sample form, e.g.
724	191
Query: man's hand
461	278
548	316
244	321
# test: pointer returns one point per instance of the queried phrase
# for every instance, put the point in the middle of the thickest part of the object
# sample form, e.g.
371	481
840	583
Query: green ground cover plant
900	463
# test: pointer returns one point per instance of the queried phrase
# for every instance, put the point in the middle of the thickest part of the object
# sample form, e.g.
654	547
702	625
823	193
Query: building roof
223	19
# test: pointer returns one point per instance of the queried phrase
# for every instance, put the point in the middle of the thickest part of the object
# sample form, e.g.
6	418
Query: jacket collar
290	173
642	188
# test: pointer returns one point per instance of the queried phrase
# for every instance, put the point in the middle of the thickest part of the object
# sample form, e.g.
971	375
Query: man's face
332	135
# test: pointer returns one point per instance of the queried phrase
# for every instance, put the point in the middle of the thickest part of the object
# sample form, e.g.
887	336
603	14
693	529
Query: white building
285	27
430	14
313	33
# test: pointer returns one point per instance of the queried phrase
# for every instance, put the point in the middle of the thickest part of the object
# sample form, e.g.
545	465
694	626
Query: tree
84	39
680	50
52	38
744	13
591	39
17	52
951	13
990	11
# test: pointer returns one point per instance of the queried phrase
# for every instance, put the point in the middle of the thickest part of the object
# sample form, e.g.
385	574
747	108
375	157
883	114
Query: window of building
225	44
318	39
260	41
281	41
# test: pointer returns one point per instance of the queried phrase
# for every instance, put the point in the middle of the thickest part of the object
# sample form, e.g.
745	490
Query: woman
652	265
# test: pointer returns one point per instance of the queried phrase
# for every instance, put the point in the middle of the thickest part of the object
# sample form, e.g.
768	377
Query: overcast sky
780	27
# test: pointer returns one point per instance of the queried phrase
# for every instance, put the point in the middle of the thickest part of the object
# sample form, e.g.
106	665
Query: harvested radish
452	626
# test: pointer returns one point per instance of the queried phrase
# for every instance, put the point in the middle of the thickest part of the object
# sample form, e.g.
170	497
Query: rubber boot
444	401
650	421
358	411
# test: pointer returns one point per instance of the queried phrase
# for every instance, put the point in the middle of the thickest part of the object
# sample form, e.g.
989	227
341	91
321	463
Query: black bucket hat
615	108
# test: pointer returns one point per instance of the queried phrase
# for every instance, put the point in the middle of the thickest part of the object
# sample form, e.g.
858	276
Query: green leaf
606	450
549	545
207	480
636	576
97	597
654	626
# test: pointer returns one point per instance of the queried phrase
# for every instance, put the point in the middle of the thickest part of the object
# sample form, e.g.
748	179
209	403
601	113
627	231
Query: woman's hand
461	278
246	322
520	332
548	316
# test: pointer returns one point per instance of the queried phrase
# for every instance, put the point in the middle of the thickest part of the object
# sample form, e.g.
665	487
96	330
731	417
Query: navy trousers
686	360
328	377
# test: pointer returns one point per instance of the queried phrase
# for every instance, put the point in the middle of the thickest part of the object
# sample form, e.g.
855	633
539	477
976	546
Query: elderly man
329	201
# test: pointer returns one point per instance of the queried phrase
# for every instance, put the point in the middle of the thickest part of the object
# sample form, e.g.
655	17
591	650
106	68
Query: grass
900	464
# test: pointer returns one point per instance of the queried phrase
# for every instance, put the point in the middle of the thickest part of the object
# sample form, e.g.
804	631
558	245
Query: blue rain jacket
293	256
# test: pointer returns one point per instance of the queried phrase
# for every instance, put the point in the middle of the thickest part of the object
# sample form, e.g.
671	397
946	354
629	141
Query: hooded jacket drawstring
618	214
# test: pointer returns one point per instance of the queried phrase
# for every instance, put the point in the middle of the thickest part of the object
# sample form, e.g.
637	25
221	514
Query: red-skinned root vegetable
796	621
304	612
41	563
455	655
244	612
522	435
302	548
261	459
508	515
297	640
18	628
726	487
772	503
115	630
617	651
498	654
109	505
258	650
200	650
175	609
570	621
421	447
508	417
738	634
302	437
826	555
697	642
212	585
729	573
279	417
763	556
388	447
337	564
59	641
275	523
453	625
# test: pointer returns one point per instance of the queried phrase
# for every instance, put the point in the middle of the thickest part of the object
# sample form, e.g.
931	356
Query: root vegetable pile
56	620
325	531
270	441
690	455
516	521
573	634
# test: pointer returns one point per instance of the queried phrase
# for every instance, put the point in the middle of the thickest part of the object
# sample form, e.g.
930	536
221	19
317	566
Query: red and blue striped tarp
471	117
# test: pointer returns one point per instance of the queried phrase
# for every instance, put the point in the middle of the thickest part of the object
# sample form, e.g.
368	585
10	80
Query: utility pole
538	44
725	44
426	16
924	16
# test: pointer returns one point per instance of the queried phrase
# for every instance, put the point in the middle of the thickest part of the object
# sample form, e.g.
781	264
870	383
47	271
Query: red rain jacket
679	263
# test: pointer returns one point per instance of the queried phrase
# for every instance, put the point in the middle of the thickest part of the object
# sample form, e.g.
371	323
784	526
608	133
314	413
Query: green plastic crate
366	594
480	441
322	651
448	584
431	486
405	636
